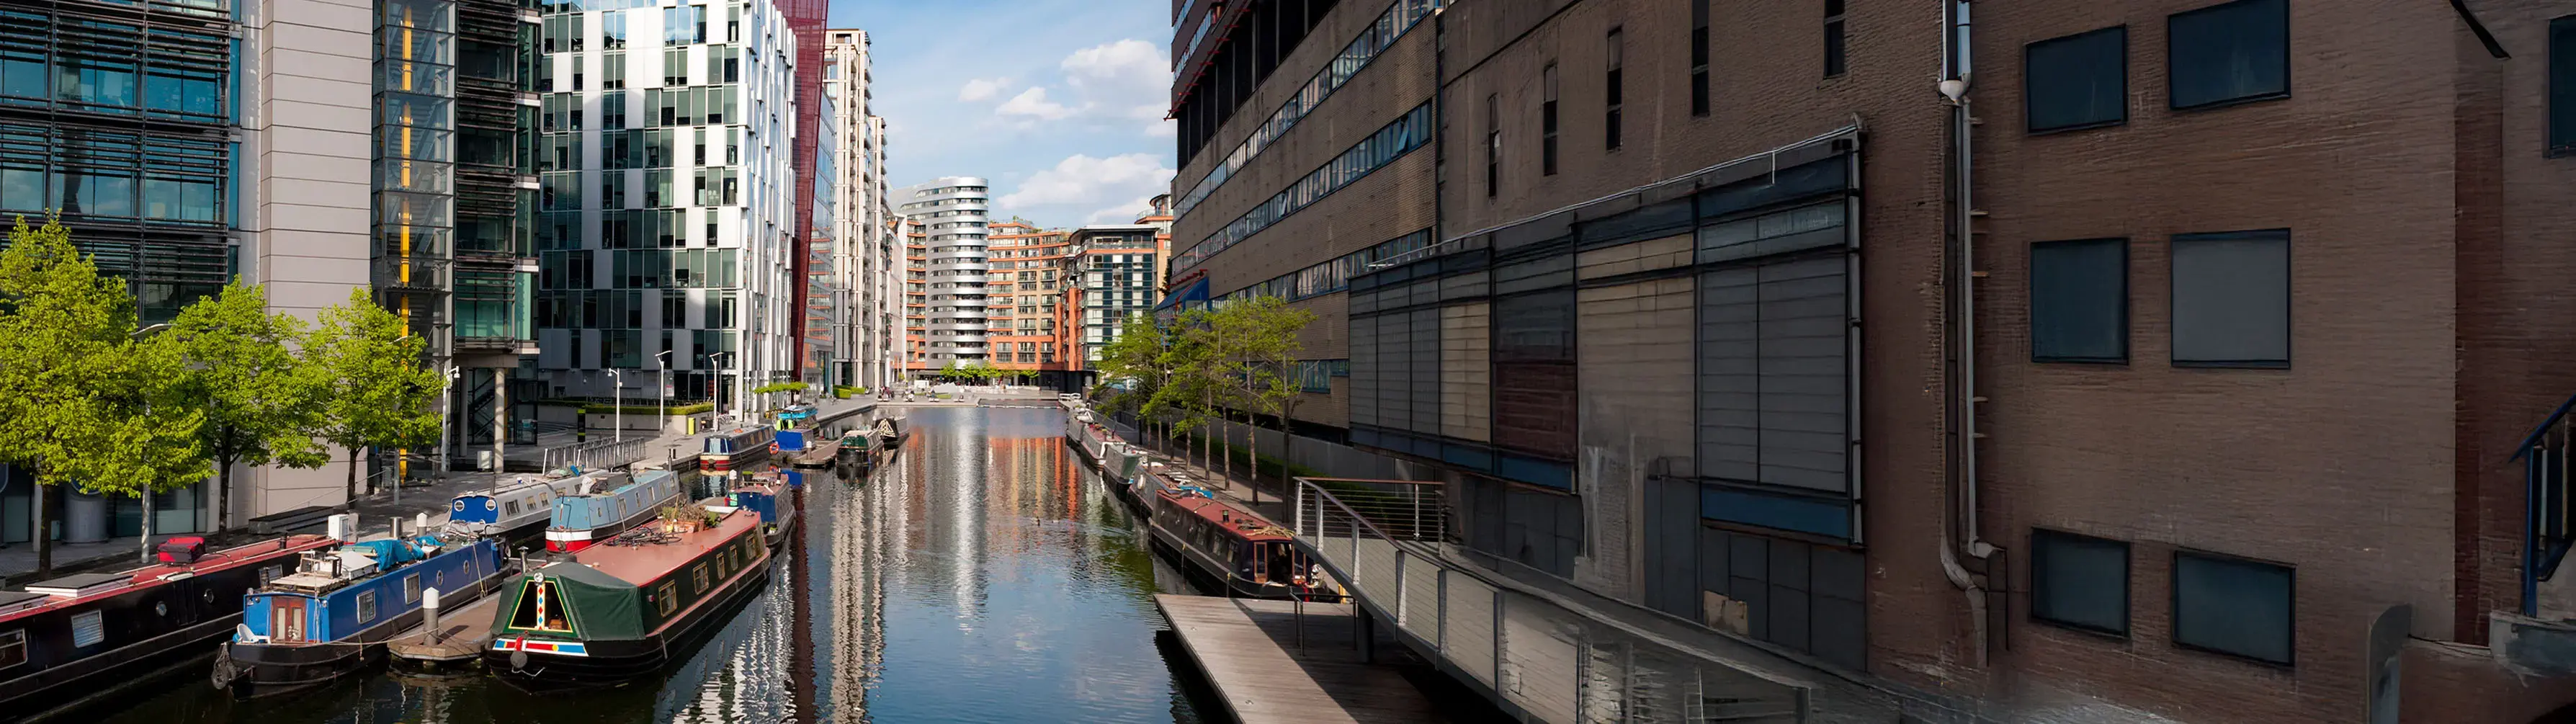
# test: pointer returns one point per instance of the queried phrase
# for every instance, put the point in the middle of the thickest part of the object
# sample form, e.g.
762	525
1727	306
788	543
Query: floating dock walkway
1249	649
462	633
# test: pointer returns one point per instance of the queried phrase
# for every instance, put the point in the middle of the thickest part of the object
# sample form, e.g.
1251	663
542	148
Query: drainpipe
1964	536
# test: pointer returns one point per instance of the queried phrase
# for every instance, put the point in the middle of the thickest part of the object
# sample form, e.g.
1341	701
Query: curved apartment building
952	215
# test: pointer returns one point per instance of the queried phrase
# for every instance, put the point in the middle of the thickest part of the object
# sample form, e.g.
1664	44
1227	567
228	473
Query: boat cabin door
286	619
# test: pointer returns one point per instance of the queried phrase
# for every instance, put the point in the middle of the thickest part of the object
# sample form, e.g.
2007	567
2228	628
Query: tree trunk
147	527
353	480
223	488
44	529
1255	475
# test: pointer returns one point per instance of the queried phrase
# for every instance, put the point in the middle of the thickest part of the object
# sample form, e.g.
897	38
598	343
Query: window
411	588
698	573
2231	299
1610	119
1547	121
13	648
2079	301
366	606
1833	38
1699	58
2229	53
2079	581
89	628
2562	86
667	597
2077	81
2233	606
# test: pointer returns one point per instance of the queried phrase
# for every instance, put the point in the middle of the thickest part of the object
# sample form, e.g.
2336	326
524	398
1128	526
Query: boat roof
1243	522
641	564
20	604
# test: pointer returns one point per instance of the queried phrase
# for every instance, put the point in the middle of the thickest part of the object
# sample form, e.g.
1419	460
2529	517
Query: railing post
1497	672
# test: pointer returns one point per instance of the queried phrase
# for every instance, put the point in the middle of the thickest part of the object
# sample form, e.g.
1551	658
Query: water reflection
980	578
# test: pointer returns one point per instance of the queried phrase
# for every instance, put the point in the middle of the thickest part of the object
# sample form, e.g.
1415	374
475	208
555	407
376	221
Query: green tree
229	358
365	368
64	337
1131	367
154	440
1197	395
1259	338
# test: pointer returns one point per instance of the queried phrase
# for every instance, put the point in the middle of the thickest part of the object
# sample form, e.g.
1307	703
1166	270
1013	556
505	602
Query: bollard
429	613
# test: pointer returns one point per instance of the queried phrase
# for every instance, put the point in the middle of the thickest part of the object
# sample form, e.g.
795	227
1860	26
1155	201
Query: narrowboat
334	614
606	503
1230	546
737	448
771	502
621	610
791	436
514	511
67	639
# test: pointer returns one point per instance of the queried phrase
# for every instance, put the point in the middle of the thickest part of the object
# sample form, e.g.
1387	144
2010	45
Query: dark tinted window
2231	299
2079	301
2562	85
2233	52
2079	581
1834	63
2233	606
2077	81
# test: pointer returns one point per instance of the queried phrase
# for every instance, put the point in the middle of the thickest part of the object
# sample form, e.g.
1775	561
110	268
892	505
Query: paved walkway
376	510
1281	661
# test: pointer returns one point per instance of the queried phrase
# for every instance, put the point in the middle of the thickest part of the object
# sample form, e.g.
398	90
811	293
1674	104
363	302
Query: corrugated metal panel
1365	371
1424	367
1772	375
1466	360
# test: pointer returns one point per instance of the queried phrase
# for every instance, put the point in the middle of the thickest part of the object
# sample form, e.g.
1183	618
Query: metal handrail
1513	642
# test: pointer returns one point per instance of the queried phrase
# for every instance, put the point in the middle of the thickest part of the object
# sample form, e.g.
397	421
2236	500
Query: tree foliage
66	373
1259	344
365	368
228	357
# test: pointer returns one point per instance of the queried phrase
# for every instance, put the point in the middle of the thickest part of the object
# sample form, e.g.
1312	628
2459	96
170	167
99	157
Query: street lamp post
617	402
447	406
147	492
662	394
721	412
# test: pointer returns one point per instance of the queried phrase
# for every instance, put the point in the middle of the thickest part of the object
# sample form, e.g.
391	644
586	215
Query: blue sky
1059	102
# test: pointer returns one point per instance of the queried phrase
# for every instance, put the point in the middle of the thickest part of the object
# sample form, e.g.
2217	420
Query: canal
982	577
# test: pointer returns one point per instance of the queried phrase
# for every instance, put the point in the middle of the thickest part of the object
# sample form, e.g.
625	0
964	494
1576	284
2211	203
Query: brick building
1025	285
1722	320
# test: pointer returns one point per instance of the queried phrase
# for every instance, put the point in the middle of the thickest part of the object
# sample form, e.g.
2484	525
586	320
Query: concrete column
500	421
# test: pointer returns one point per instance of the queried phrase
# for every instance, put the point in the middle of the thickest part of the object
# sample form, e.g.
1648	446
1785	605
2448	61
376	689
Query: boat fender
519	654
224	673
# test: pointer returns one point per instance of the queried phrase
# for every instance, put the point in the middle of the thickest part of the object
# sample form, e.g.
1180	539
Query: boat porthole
161	608
209	595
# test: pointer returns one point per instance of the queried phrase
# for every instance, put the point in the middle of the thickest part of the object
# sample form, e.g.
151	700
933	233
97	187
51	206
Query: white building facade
865	264
953	213
666	214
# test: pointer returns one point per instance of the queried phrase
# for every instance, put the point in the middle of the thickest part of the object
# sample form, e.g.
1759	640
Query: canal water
982	577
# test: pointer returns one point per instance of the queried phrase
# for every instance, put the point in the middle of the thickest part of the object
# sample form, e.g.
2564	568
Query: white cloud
1123	213
978	90
1033	103
1162	129
1116	187
1129	62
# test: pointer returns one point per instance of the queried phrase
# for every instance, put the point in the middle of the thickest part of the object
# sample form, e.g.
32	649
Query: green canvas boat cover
600	606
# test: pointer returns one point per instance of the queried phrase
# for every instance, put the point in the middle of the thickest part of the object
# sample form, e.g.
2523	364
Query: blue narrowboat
791	438
772	502
512	511
336	612
607	503
733	449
